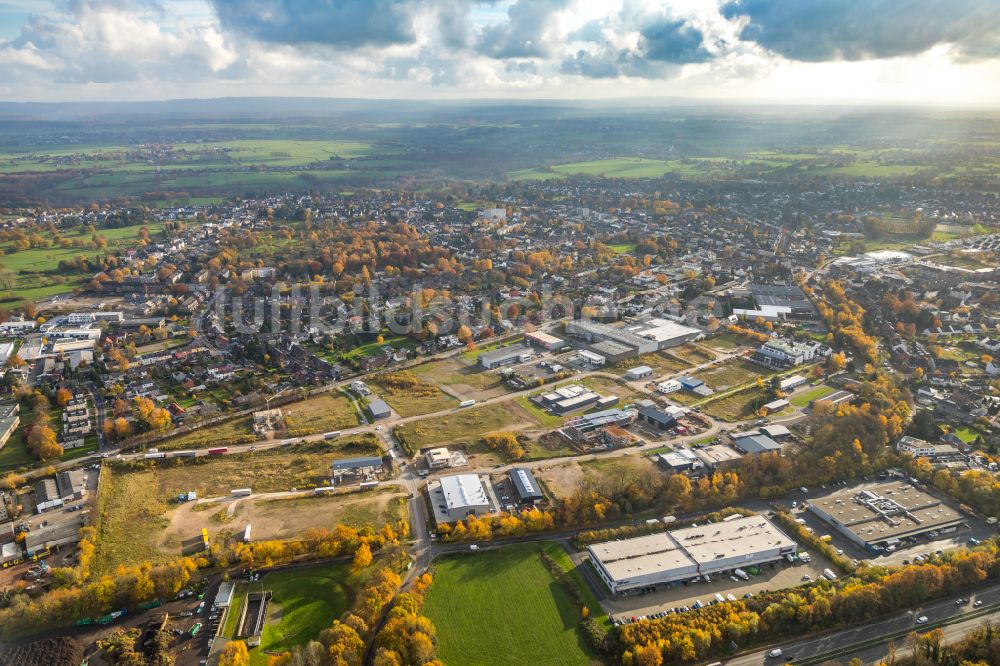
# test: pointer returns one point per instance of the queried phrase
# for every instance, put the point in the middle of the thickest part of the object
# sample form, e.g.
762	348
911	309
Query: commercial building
499	358
681	460
458	496
544	340
525	485
718	455
591	358
696	386
438	458
919	448
781	354
669	557
669	386
377	409
883	515
9	420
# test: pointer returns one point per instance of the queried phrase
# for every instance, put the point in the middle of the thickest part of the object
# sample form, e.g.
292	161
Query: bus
195	629
333	434
467	403
217	452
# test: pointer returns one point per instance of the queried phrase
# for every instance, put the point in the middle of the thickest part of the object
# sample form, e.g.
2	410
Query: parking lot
771	577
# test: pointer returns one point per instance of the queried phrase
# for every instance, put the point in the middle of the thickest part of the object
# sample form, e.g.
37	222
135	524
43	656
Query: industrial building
587	428
638	372
544	340
883	515
783	296
458	496
499	358
356	468
651	415
664	332
593	333
377	409
756	443
677	555
525	485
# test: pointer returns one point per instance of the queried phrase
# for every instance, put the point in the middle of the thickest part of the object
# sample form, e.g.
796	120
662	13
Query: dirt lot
732	373
463	378
278	517
563	480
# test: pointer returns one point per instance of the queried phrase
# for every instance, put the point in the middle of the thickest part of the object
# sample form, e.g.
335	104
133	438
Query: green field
464	426
805	397
503	607
304	602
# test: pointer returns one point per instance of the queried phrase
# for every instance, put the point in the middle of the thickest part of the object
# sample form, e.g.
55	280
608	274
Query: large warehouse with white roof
682	554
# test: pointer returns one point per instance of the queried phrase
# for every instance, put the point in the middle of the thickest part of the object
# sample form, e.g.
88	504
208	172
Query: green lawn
303	603
503	607
804	398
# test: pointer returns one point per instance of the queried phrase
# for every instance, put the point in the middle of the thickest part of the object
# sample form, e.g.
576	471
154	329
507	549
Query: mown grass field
815	393
133	500
463	426
503	607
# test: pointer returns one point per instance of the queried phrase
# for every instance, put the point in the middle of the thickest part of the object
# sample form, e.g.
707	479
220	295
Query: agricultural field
303	603
36	270
465	426
329	411
467	380
136	501
504	597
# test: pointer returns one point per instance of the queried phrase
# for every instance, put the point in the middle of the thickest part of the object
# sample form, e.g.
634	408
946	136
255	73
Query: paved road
814	647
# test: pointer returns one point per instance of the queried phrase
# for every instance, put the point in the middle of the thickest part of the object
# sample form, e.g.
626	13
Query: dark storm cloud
664	44
343	23
820	30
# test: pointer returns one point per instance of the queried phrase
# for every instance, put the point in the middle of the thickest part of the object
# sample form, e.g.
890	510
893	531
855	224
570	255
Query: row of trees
868	593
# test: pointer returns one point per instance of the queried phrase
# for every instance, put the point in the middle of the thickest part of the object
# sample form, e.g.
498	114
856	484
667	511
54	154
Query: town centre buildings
683	554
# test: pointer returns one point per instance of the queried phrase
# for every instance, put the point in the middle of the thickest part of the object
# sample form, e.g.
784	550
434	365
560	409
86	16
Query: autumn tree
234	654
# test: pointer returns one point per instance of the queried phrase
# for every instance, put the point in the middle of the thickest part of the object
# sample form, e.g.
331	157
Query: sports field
503	607
304	602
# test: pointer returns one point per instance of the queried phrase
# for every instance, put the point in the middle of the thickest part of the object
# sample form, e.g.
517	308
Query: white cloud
149	49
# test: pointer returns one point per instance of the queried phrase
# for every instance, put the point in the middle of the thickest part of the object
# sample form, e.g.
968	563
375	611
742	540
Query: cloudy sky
889	51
